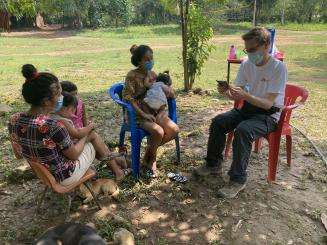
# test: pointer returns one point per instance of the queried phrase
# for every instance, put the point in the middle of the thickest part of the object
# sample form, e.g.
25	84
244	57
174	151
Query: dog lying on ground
71	234
104	186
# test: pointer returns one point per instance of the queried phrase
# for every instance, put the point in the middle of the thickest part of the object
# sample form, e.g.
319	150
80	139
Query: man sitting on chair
260	83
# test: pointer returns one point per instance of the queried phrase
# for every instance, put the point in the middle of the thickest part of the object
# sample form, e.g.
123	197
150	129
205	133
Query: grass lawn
94	60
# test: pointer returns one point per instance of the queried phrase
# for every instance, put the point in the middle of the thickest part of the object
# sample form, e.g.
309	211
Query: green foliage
303	11
300	11
20	8
101	13
152	12
117	10
198	47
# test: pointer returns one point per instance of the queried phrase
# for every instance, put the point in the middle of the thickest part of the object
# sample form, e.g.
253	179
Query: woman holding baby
154	120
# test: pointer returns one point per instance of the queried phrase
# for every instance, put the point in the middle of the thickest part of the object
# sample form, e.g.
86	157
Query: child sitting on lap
157	93
79	117
65	115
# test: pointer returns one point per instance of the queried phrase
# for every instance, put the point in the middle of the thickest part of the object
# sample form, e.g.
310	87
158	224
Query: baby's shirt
155	96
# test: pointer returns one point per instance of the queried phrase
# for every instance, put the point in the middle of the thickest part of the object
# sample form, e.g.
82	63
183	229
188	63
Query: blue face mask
59	103
148	65
256	58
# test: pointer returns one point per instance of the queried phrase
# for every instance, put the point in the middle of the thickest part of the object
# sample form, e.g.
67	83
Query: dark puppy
70	234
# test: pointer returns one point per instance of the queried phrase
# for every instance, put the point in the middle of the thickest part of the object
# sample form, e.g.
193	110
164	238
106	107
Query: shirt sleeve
60	136
129	88
240	78
278	81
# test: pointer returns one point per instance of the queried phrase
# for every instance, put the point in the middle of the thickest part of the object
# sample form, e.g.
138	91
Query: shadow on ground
166	212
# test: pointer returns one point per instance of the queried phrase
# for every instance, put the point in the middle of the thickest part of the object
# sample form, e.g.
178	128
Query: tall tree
118	10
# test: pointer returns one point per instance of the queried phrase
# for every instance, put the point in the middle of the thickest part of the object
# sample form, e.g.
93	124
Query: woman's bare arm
75	150
77	133
141	113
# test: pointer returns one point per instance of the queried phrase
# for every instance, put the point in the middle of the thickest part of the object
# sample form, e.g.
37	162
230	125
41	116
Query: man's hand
237	93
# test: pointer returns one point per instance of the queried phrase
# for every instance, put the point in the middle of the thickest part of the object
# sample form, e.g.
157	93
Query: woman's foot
120	175
150	174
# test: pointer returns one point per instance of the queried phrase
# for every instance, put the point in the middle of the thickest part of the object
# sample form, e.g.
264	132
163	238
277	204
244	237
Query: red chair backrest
47	178
43	173
292	93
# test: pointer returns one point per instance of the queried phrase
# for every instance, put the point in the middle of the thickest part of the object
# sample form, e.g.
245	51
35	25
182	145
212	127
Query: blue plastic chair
272	39
137	134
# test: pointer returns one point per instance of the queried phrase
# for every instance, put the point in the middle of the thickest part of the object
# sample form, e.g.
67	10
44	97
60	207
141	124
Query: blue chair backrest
115	92
272	39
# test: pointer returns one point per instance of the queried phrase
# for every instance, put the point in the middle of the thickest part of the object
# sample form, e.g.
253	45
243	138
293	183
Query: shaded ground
287	212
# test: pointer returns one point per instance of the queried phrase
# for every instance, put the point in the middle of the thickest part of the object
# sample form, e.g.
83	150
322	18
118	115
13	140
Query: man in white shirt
260	82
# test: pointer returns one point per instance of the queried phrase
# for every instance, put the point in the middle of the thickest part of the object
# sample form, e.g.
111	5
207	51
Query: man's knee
218	122
243	129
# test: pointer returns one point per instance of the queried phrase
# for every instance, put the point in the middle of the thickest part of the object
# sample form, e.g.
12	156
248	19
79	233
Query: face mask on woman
148	65
59	103
256	57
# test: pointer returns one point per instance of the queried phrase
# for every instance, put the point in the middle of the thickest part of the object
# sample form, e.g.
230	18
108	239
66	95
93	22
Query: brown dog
104	186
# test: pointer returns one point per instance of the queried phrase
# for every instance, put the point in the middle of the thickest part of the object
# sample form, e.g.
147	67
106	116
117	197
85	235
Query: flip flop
177	177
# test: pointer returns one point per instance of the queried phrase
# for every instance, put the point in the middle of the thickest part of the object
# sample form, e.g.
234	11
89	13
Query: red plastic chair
292	93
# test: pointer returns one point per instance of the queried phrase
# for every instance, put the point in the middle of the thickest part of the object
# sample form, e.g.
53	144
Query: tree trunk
283	13
39	21
183	16
254	21
192	80
63	19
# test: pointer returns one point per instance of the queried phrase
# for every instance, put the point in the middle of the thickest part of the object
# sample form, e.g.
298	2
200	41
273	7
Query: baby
156	96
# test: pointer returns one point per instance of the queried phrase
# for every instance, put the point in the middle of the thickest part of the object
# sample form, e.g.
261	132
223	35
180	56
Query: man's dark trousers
247	128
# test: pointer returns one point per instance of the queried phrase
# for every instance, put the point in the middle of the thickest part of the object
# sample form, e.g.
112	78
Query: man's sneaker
231	190
204	171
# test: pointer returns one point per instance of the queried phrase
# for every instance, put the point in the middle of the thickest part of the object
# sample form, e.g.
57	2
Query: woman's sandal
150	174
126	172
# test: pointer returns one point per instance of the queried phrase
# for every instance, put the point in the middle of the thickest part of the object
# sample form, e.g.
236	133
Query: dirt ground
163	212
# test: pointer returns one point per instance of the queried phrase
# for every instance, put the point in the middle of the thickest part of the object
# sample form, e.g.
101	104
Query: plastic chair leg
228	144
136	150
289	149
257	145
274	143
178	149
